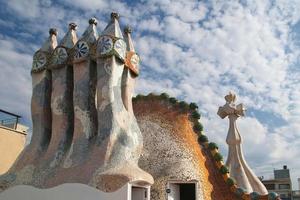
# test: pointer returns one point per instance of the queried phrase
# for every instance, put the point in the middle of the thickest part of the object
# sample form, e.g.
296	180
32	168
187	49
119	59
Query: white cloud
151	24
15	82
25	8
157	86
240	48
253	131
88	5
187	11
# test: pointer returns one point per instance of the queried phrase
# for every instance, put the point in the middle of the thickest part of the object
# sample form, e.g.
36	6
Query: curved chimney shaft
236	162
40	105
85	115
25	165
61	102
118	138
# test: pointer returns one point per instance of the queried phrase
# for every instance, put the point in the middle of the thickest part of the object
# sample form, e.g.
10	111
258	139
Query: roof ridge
192	110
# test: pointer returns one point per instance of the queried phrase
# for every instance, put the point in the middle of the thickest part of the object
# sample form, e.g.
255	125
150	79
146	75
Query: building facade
282	184
12	139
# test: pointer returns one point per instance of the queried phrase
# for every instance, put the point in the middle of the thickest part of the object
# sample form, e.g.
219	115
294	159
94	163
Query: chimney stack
284	167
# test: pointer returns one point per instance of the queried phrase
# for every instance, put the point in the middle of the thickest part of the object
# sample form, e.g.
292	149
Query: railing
10	123
8	119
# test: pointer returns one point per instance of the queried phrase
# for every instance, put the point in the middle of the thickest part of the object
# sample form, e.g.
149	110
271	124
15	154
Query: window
270	186
284	186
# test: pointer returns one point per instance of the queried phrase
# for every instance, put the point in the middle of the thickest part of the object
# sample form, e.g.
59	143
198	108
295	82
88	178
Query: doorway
181	191
139	193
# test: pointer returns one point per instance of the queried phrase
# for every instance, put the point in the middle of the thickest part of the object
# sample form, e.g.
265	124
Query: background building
282	185
296	193
12	137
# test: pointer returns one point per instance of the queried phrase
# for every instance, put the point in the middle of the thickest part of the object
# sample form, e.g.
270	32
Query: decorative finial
70	39
115	15
230	98
53	31
93	20
127	29
132	59
72	26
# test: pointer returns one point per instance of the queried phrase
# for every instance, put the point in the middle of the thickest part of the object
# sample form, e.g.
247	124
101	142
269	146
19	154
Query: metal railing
9	120
10	123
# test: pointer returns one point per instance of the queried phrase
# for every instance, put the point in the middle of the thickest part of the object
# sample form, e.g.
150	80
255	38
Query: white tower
236	163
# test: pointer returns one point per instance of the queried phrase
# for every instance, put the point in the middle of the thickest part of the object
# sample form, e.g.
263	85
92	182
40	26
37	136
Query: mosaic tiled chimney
84	128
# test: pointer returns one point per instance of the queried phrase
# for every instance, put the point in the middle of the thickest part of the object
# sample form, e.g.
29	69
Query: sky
196	51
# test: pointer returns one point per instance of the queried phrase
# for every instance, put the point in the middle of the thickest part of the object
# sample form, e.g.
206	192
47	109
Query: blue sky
196	51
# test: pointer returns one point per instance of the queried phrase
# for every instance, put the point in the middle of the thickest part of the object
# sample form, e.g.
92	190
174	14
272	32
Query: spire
127	31
132	59
113	28
91	35
70	38
111	41
236	163
40	57
50	44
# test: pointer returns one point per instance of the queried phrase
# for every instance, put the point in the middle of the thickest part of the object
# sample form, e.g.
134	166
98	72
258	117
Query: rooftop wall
11	144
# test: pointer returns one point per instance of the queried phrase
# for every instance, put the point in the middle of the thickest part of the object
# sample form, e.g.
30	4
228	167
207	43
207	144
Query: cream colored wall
67	191
22	128
11	144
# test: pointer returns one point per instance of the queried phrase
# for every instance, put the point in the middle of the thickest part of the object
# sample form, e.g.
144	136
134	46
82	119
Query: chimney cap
72	26
93	20
115	15
53	31
128	29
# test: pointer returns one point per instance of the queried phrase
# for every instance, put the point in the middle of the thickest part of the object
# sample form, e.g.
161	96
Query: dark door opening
182	191
187	191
